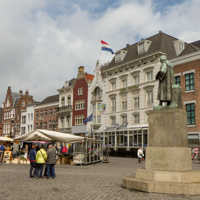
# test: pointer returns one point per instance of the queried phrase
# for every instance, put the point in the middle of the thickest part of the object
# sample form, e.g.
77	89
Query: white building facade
65	107
27	120
130	90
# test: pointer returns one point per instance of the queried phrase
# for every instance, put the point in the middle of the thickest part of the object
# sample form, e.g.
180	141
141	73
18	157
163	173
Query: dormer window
143	46
120	55
179	46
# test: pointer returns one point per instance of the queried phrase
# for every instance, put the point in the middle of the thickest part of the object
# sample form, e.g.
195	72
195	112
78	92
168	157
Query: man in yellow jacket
41	158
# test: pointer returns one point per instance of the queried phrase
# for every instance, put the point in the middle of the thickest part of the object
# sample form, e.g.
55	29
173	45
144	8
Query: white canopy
46	135
5	139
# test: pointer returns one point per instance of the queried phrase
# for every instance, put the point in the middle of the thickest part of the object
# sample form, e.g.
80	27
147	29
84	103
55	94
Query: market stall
61	140
5	150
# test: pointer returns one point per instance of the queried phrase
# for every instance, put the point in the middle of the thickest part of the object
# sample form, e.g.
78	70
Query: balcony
65	110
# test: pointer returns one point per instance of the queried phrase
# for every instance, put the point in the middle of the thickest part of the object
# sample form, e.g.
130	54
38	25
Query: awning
5	139
47	135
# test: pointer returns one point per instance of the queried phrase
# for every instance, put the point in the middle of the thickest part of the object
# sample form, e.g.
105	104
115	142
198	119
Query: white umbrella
5	139
46	135
61	137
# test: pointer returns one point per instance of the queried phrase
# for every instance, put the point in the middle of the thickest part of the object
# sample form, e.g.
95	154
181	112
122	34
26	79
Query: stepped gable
15	98
161	42
50	99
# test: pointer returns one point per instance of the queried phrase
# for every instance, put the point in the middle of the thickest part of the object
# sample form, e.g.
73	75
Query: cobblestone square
94	182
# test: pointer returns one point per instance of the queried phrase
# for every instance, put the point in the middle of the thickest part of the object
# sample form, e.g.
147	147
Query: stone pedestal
168	166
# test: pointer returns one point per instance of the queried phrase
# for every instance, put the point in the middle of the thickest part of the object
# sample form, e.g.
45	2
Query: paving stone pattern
95	182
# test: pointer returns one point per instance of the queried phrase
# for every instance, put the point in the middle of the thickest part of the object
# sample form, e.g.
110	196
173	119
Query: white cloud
39	50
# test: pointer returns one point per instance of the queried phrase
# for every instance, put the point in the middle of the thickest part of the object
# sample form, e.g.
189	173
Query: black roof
160	42
50	99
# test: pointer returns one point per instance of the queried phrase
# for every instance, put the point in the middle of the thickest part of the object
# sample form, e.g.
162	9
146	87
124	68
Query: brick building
46	113
12	106
80	101
187	75
1	121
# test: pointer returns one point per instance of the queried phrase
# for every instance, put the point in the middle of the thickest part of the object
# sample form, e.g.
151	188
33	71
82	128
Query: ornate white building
96	102
65	107
129	90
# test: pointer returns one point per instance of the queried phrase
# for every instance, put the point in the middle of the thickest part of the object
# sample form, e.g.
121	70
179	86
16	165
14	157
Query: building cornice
47	105
133	63
185	59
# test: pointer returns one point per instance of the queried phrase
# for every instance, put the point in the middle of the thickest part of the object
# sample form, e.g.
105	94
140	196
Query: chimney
21	92
26	93
81	73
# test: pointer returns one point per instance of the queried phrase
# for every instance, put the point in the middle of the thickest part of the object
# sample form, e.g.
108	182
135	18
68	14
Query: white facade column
115	140
142	139
128	145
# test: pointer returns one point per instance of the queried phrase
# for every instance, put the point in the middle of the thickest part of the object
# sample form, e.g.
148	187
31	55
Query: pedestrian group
42	162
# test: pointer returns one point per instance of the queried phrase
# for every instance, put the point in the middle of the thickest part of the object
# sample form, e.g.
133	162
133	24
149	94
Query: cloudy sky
44	41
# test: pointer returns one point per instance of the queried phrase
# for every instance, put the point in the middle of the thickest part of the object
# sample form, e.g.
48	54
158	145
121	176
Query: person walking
140	154
32	158
51	161
41	158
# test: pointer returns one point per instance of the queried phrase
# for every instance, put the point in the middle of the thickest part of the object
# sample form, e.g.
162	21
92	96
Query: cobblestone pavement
100	182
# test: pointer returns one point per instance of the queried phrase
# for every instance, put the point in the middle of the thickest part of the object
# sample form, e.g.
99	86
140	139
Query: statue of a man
166	80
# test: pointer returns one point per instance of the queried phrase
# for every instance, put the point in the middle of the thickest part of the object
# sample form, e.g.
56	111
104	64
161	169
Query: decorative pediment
143	46
120	55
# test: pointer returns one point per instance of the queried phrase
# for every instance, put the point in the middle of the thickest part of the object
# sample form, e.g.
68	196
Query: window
149	75
63	101
178	80
80	105
69	100
136	78
124	119
124	103
136	102
189	81
113	84
190	110
113	103
136	118
149	97
113	120
79	120
80	91
62	122
23	119
124	83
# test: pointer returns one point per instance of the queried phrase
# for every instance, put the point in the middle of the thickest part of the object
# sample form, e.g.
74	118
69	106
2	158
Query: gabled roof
50	99
196	43
160	42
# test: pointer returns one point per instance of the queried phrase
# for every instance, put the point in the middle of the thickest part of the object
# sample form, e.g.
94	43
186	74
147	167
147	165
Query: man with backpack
32	158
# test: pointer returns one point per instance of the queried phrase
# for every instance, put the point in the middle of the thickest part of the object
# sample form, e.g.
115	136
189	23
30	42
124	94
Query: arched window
63	101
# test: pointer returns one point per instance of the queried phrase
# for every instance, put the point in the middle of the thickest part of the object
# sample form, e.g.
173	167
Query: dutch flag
106	47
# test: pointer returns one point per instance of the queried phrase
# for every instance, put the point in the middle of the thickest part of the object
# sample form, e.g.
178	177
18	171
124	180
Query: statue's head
163	58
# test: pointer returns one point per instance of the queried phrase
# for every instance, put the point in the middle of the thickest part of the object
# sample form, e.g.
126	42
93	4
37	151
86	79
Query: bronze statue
166	80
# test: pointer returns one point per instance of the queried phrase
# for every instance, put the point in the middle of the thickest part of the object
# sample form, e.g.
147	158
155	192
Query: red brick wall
80	83
48	116
15	122
191	96
1	129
